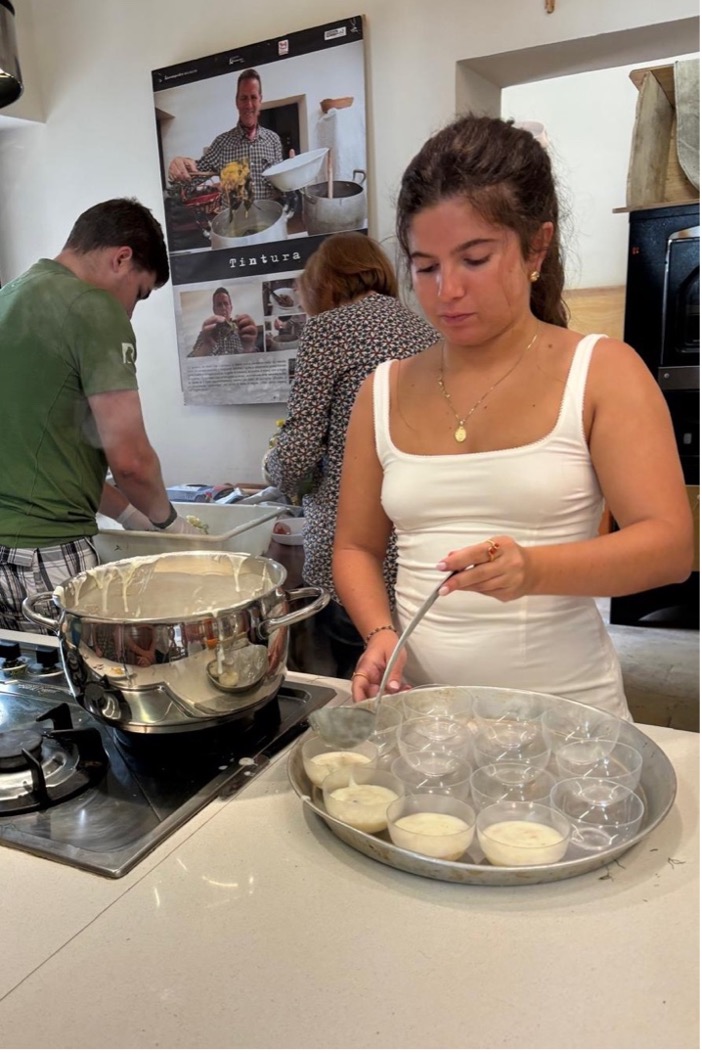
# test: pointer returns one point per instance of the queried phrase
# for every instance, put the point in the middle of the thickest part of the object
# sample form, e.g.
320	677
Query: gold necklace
460	434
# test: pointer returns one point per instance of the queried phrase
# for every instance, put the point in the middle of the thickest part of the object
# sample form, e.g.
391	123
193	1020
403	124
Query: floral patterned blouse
338	349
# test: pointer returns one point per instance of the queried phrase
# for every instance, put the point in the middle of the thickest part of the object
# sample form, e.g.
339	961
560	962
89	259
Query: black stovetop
152	783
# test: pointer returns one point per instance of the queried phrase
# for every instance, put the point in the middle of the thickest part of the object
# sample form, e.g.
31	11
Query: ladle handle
411	625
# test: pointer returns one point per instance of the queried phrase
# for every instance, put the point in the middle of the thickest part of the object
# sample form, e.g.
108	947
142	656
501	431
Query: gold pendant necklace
460	434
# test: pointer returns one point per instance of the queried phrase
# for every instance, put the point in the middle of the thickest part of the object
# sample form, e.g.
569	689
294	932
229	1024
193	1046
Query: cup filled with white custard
435	825
319	759
522	834
360	796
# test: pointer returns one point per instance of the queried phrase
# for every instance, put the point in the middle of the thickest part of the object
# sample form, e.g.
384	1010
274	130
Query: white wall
88	65
589	119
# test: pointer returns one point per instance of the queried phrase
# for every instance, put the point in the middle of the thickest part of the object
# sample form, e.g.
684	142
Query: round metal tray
657	788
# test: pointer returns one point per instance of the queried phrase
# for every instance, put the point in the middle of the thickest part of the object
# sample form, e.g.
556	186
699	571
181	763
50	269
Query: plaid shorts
27	571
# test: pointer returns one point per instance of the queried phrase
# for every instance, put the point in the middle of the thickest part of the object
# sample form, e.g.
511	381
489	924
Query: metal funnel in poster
263	154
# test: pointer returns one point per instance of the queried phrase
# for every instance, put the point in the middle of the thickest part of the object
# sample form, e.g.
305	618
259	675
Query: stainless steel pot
346	210
177	641
266	221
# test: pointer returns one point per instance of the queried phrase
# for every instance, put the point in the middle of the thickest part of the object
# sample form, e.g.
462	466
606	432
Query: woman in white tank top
493	452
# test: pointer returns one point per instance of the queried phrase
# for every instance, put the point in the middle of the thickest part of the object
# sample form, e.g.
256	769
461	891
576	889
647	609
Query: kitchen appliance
661	321
680	351
168	643
78	791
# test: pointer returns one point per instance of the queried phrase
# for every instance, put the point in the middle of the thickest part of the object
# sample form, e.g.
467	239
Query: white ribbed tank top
543	493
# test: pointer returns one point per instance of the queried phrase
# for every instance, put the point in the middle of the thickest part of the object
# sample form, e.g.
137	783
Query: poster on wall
262	152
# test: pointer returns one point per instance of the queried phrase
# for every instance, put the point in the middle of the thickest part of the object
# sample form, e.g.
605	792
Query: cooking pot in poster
346	210
176	641
265	221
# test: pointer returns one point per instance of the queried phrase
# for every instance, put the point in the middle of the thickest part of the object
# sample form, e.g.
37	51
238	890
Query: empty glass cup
425	739
451	775
510	781
604	814
388	719
571	721
511	741
601	759
439	700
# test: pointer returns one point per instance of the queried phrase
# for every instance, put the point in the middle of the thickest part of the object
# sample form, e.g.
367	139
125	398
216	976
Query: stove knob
47	657
9	650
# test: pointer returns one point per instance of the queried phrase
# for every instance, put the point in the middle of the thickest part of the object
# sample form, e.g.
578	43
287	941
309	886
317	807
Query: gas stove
80	792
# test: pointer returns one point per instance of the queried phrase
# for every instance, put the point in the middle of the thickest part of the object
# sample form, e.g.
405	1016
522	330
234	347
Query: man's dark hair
250	75
122	221
221	289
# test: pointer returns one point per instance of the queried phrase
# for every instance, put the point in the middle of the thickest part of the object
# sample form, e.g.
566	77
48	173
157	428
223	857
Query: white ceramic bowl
297	172
293	535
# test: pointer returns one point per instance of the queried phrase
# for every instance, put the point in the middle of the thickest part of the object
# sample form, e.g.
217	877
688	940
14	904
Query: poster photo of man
262	154
224	320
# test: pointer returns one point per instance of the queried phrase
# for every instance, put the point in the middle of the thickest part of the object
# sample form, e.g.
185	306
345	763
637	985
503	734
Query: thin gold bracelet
378	629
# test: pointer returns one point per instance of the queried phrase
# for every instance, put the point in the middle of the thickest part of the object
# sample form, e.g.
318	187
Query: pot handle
359	172
320	601
34	616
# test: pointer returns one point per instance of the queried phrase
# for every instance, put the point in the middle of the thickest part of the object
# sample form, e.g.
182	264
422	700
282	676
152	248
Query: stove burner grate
42	767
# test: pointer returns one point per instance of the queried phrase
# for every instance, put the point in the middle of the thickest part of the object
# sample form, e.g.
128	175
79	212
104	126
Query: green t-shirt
61	340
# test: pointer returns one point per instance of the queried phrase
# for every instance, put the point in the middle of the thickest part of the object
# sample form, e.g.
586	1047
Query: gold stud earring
535	276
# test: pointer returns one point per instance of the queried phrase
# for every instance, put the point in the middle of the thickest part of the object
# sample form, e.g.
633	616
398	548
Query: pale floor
661	668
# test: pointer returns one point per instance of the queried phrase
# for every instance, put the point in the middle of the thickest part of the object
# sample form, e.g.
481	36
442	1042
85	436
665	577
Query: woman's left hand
497	567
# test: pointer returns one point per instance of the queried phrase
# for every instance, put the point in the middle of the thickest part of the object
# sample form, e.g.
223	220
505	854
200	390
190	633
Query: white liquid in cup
436	834
363	806
319	766
519	843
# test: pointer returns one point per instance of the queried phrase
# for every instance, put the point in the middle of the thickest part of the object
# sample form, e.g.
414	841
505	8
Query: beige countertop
254	926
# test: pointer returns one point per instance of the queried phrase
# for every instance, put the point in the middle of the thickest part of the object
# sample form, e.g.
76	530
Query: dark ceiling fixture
10	76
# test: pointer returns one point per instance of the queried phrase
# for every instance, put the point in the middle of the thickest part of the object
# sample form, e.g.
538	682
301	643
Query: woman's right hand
368	674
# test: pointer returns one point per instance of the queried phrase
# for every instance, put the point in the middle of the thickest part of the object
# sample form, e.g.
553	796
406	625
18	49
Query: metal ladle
346	726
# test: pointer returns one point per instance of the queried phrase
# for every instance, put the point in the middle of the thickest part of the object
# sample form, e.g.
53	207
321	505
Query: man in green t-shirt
69	403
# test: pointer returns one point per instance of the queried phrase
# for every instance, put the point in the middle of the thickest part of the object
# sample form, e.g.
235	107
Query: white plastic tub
232	528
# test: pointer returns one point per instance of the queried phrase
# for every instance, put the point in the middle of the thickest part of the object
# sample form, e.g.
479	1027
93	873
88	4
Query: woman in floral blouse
349	289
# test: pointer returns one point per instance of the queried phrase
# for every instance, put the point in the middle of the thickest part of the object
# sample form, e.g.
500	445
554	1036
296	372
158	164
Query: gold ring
364	675
492	549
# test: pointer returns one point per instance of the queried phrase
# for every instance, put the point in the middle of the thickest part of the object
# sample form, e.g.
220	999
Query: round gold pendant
460	434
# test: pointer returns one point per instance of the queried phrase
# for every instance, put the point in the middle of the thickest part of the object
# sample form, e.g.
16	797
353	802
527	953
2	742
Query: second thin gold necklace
460	434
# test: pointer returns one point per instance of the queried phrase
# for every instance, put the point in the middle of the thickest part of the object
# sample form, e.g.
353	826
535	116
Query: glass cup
511	741
493	706
318	759
522	834
360	795
570	722
600	759
388	719
426	739
434	825
510	781
604	814
439	700
452	776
